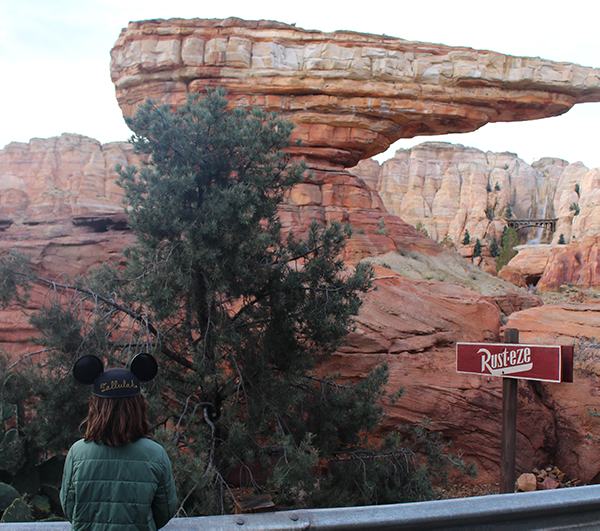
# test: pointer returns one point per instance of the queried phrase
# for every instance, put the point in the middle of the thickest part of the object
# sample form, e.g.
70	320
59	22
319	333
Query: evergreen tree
494	248
239	316
467	238
477	249
510	239
561	239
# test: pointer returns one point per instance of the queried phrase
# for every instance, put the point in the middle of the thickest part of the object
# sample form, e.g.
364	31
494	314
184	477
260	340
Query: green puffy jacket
122	487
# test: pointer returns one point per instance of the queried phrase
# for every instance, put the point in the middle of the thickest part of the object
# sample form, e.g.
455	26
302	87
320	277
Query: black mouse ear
87	369
144	366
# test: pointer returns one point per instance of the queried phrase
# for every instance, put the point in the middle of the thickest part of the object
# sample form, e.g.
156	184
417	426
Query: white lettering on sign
506	362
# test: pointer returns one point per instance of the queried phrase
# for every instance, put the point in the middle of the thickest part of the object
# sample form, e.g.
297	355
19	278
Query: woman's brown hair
117	421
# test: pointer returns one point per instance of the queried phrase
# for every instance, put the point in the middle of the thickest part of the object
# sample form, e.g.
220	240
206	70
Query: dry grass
467	491
569	294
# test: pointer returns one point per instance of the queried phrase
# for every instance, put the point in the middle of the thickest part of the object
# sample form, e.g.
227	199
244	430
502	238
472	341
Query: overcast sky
54	58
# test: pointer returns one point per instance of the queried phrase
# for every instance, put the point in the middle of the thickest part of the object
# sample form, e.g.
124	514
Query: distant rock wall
60	177
450	188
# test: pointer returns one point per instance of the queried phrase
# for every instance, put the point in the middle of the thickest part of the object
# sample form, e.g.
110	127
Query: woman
116	478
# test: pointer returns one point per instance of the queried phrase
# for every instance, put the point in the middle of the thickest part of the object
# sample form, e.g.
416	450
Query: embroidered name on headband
104	387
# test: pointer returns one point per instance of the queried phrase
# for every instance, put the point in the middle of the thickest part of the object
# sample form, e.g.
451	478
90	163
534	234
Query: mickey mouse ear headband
115	383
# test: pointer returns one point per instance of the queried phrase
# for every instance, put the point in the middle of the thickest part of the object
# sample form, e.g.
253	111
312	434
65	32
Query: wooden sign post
512	361
508	447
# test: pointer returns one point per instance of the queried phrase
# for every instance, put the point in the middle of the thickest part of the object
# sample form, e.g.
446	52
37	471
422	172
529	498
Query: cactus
10	436
8	411
19	511
11	452
53	495
40	506
8	494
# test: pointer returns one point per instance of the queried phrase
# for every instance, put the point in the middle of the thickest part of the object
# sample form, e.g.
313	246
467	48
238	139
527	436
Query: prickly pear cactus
40	506
19	511
8	494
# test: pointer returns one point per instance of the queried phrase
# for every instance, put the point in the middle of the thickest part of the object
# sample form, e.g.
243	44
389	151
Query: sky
55	54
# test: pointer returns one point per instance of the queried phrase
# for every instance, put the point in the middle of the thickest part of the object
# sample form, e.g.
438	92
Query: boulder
575	264
527	482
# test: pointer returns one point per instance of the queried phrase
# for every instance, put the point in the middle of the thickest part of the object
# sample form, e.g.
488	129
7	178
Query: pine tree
494	248
510	239
239	316
467	238
477	249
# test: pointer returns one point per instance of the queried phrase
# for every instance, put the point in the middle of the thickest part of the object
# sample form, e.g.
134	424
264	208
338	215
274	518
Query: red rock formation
60	250
350	94
450	188
528	266
577	263
61	176
551	267
575	432
413	326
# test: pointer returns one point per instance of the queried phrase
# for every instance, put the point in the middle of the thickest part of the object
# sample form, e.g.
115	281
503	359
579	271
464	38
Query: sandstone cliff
450	188
59	177
576	430
350	94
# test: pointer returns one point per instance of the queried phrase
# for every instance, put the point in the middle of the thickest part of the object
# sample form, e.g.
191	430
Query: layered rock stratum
50	178
351	94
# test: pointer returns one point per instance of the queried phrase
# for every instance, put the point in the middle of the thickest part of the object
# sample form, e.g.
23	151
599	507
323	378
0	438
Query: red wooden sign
527	362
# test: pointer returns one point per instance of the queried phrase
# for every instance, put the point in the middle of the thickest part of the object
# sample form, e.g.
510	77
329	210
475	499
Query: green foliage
448	243
494	248
19	452
466	238
16	278
489	213
400	469
488	188
421	228
510	239
19	511
382	231
497	187
8	494
477	249
238	314
509	212
574	207
561	239
577	188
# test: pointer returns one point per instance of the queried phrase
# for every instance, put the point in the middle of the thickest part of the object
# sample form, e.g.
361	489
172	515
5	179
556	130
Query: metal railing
572	508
